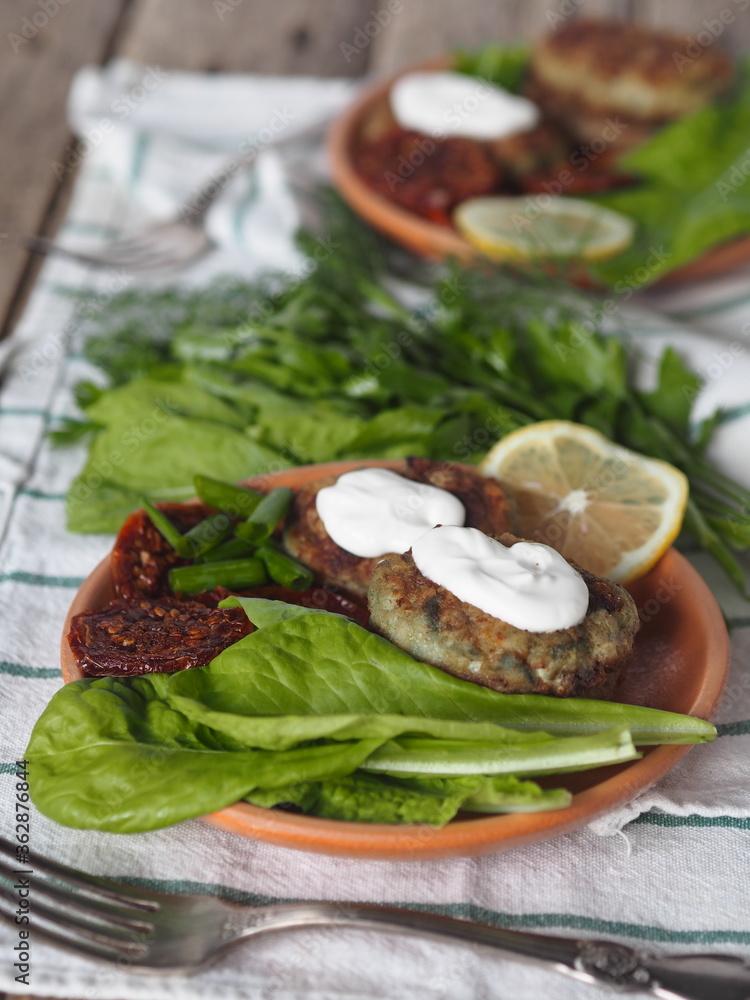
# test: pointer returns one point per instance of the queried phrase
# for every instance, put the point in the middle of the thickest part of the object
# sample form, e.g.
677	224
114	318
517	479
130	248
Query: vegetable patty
434	626
306	538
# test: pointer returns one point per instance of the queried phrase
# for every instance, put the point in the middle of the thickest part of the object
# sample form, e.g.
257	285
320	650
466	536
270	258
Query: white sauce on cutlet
371	512
528	585
448	104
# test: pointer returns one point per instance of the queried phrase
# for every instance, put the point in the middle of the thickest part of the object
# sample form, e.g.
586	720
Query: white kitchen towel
676	877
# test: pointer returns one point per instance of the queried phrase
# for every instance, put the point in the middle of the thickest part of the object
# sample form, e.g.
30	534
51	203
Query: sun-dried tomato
142	557
427	176
143	636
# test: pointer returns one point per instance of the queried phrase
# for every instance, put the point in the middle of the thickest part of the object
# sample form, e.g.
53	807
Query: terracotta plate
437	242
679	663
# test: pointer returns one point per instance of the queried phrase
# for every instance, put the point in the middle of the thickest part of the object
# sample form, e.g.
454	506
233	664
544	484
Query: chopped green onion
285	570
236	500
208	533
266	516
165	527
232	548
235	575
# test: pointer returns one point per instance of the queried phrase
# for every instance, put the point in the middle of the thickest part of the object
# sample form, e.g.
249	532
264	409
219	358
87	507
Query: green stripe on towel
27	491
663	819
469	911
41	580
34	673
733	728
711	308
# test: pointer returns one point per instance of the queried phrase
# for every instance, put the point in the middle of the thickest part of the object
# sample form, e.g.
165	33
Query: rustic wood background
45	41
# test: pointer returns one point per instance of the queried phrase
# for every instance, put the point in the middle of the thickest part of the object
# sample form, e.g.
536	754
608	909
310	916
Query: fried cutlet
306	538
589	74
434	626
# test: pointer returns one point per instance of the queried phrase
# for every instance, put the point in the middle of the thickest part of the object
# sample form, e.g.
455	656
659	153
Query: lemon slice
542	226
609	509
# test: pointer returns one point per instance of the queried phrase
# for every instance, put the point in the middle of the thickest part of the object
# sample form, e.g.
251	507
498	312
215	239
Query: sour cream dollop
371	512
448	104
528	585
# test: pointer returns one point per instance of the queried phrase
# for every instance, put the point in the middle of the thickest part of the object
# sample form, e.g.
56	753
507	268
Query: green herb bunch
245	377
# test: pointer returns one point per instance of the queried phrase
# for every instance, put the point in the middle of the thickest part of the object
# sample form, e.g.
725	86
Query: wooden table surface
46	41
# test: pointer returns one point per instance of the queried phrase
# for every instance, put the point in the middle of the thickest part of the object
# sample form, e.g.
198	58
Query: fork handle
607	963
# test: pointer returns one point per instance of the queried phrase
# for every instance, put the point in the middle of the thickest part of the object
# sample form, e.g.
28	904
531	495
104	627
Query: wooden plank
700	20
427	28
424	30
45	43
260	36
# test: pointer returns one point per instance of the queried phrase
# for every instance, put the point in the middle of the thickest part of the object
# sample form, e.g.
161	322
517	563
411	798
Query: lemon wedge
611	510
535	226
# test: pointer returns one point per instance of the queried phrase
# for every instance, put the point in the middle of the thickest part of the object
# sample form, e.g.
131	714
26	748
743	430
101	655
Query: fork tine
147	257
133	261
110	935
115	951
142	899
67	896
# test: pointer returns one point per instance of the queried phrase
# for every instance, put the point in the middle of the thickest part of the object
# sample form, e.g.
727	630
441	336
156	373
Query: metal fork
160	933
175	243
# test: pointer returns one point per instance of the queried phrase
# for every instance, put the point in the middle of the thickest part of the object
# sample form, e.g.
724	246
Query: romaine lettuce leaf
307	699
694	190
324	664
504	793
110	754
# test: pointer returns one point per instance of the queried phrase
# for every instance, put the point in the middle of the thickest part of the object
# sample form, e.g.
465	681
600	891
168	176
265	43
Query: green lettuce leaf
504	793
542	756
282	732
306	700
110	754
94	506
323	664
362	798
134	403
694	192
158	458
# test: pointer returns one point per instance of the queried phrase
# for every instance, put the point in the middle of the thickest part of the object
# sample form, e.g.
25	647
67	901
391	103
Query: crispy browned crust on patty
588	70
487	508
434	626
